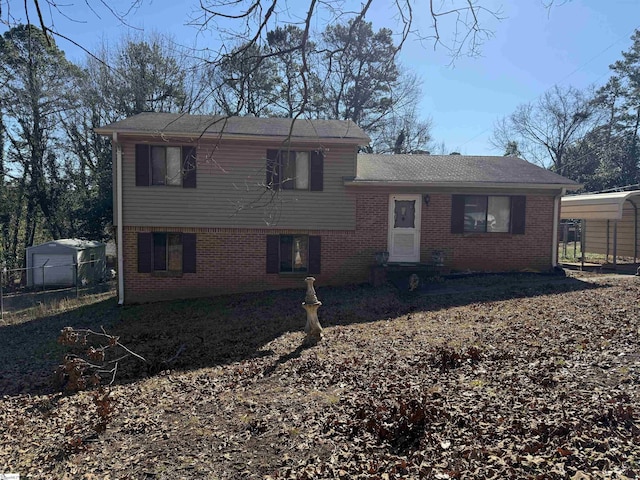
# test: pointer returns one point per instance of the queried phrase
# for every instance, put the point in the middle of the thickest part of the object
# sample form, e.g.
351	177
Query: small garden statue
313	329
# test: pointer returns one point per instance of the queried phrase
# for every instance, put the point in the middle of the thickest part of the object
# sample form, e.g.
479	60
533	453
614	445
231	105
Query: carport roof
597	206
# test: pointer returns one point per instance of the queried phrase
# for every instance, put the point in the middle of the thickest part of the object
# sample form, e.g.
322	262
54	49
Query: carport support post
608	229
583	229
615	244
635	233
75	265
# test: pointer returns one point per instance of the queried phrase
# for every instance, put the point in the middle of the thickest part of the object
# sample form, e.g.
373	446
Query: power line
567	76
617	189
594	57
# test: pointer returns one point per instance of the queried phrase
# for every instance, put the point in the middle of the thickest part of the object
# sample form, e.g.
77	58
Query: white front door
404	228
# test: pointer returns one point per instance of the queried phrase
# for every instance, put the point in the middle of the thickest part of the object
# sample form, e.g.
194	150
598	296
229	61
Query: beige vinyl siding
230	191
596	234
595	211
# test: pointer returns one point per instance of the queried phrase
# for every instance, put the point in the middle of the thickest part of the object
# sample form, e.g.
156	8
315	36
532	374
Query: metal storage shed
62	262
609	222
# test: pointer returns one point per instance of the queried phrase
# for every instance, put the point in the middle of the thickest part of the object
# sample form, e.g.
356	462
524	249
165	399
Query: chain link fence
570	240
22	288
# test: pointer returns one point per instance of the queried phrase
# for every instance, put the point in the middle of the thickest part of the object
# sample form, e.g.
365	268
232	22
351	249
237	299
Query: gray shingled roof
182	124
453	169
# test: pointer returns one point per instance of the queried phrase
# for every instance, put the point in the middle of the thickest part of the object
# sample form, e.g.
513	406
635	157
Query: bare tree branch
544	130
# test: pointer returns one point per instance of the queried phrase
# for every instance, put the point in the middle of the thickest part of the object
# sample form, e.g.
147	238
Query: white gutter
119	234
194	137
460	185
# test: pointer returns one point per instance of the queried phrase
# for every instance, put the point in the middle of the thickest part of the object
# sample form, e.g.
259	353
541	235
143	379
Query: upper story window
165	165
295	170
488	213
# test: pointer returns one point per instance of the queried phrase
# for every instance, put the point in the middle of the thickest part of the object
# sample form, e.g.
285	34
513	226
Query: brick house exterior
211	230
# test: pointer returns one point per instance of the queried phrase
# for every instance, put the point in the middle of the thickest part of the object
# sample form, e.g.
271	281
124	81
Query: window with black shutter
295	170
293	254
488	214
166	165
166	252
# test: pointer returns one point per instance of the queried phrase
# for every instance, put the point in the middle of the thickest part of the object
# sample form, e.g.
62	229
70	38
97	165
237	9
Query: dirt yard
498	377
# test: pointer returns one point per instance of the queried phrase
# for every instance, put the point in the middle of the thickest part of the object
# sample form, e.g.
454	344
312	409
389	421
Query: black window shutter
190	165
314	254
143	178
189	253
286	253
457	214
145	252
317	171
518	214
273	177
159	251
273	253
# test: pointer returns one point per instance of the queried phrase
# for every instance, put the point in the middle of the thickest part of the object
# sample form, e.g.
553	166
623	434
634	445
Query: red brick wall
234	260
492	252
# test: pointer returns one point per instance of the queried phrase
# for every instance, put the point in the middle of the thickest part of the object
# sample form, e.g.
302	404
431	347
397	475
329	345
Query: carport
609	223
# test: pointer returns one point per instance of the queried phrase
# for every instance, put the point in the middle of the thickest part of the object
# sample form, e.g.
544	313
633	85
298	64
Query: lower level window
294	253
171	252
167	252
486	213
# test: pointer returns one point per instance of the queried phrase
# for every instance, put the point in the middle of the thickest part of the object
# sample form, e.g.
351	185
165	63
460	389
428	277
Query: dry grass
52	307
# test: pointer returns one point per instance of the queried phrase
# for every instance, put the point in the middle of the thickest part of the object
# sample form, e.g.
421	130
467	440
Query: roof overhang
598	206
166	135
461	185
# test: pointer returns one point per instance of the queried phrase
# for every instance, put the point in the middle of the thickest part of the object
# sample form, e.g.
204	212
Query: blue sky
532	49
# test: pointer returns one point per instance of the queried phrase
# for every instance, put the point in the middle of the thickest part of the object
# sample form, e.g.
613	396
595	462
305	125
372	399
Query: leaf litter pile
524	381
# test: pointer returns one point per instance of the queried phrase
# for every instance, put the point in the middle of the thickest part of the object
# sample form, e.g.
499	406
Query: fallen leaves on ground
537	382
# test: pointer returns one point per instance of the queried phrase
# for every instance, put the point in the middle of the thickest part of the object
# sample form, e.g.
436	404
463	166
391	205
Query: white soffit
597	206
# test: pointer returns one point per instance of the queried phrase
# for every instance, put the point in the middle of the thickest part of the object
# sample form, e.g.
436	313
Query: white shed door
58	269
404	228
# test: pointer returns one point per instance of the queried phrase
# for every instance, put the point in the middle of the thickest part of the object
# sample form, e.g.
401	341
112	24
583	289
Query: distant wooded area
55	172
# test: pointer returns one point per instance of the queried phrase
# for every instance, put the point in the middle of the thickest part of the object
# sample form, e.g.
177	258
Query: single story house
206	205
62	262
